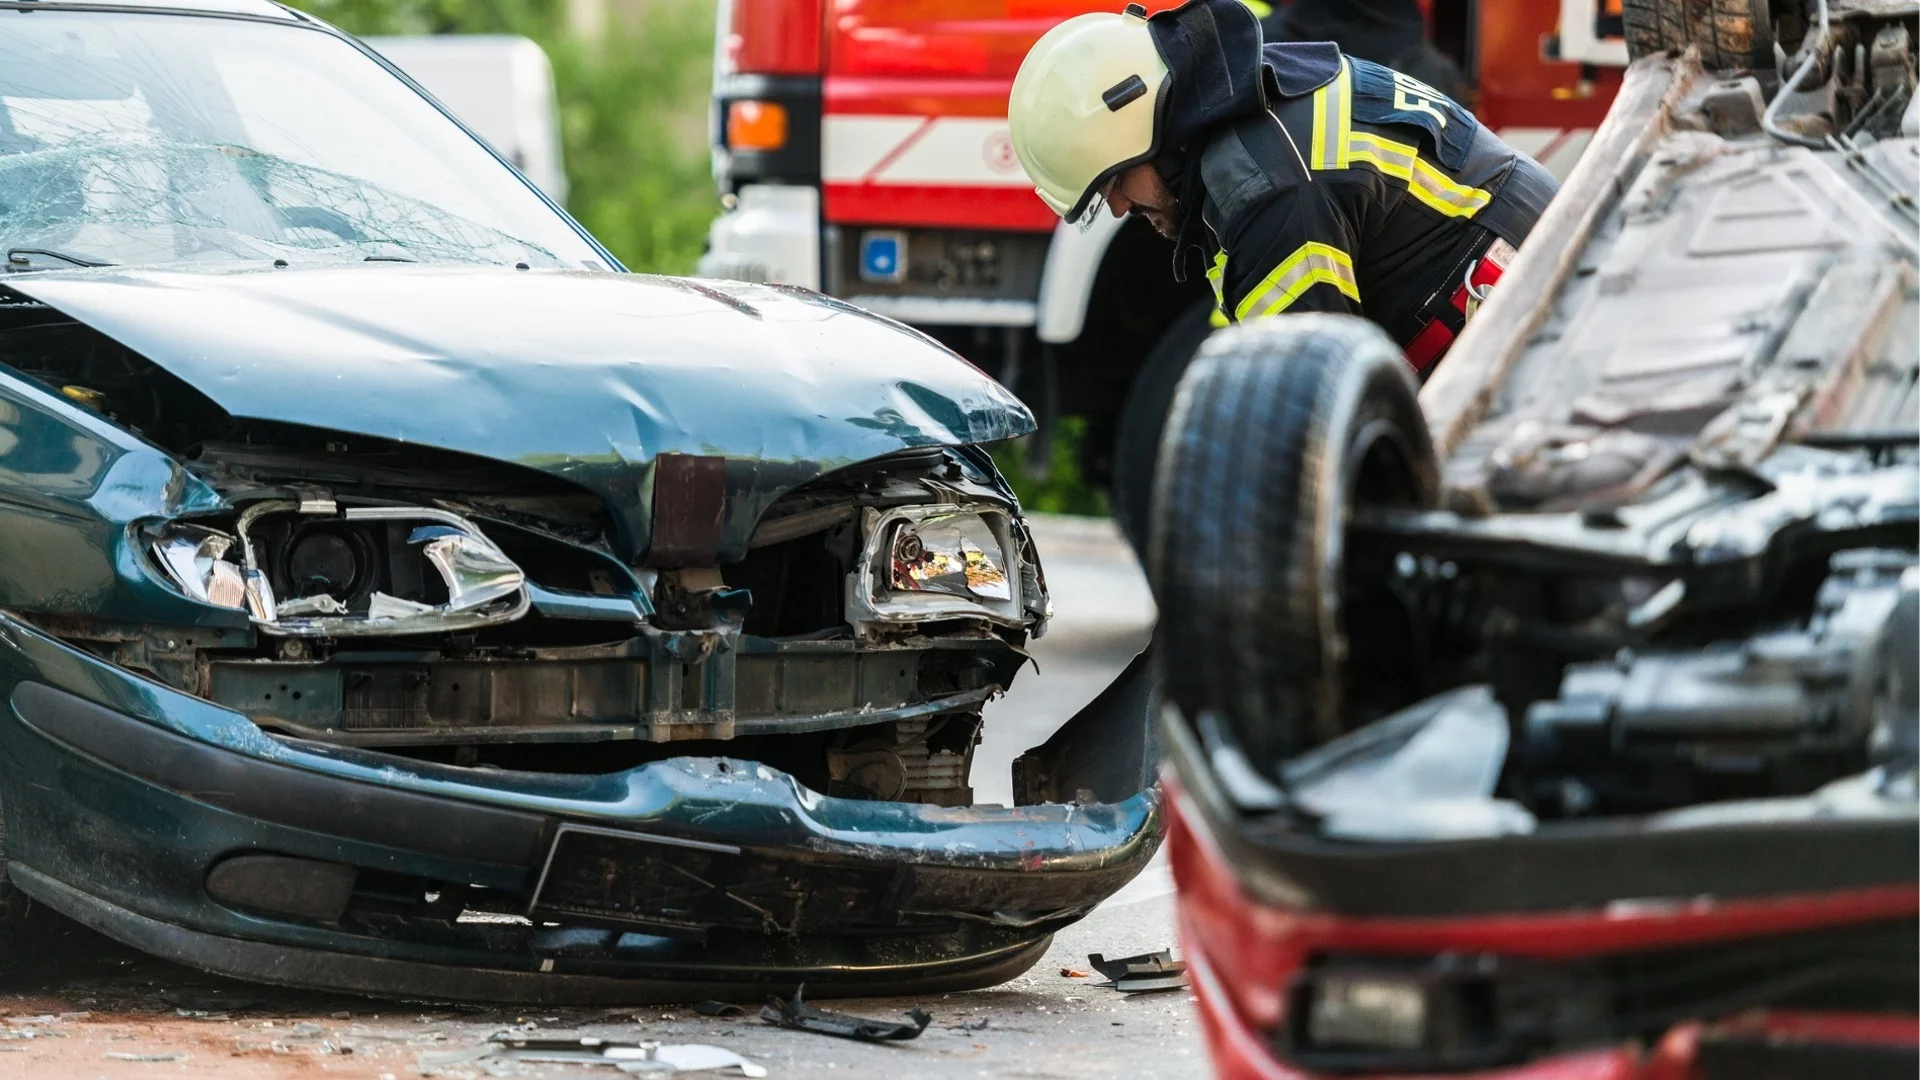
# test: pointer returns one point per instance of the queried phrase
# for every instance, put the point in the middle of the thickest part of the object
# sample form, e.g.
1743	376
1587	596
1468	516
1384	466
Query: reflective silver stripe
1313	264
1333	120
1424	182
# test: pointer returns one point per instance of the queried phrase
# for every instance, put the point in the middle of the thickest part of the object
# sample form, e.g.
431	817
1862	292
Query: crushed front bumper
677	879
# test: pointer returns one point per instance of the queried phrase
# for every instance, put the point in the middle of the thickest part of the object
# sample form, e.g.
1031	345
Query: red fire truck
861	149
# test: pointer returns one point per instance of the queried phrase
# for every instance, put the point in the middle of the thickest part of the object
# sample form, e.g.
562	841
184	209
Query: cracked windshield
134	139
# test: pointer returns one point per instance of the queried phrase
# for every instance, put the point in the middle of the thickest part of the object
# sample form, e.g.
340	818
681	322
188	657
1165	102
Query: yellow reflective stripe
1432	187
1260	8
1333	120
1313	264
1217	277
1219	319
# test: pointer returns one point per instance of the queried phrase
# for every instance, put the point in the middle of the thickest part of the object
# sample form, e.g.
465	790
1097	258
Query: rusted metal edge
1457	398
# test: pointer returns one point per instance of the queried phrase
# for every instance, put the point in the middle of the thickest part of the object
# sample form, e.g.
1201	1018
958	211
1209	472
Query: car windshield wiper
18	258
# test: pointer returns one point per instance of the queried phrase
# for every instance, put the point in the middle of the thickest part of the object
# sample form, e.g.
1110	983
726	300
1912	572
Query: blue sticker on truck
883	256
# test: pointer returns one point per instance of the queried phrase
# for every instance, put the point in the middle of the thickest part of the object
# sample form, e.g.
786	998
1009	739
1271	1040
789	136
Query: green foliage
1059	488
633	104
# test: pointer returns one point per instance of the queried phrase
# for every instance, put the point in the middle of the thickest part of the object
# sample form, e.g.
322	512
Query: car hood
588	376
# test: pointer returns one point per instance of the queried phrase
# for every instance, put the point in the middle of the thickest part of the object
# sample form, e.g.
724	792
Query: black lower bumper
685	877
386	977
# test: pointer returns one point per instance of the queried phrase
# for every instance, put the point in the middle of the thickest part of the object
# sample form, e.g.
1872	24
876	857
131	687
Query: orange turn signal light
756	125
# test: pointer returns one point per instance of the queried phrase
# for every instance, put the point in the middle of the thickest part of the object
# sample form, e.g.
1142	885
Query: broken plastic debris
476	572
260	602
799	1015
382	606
322	604
1426	772
193	559
1143	974
119	1055
1075	973
718	1008
226	586
630	1057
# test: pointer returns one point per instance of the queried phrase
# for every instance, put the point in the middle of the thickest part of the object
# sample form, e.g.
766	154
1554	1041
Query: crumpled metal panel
70	484
588	376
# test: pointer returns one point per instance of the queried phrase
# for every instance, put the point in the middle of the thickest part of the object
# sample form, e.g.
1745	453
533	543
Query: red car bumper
1242	957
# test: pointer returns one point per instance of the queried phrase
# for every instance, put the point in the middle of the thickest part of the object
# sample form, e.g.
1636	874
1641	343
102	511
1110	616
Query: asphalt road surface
76	1005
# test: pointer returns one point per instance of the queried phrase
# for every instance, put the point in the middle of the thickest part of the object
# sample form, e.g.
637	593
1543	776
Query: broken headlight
939	562
953	554
312	568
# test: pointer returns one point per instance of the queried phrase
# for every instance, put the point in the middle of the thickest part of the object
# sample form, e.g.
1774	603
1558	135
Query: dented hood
588	376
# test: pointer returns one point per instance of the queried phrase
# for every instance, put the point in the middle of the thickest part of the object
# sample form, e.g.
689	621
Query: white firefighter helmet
1085	105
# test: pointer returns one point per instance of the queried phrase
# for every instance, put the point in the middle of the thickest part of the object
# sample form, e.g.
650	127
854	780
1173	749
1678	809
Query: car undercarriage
1595	668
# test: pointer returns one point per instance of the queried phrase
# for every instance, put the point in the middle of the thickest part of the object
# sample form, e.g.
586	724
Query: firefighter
1307	180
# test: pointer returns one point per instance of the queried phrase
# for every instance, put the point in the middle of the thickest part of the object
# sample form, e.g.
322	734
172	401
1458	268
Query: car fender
71	485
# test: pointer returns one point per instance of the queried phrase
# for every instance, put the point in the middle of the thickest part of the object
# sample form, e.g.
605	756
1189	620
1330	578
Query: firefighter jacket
1357	189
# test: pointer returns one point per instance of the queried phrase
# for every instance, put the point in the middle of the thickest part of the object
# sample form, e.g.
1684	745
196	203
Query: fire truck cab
861	149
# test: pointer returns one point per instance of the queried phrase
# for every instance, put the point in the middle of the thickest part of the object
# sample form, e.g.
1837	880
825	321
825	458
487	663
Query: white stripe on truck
958	150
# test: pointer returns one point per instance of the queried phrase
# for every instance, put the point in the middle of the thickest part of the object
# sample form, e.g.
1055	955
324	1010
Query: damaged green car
397	597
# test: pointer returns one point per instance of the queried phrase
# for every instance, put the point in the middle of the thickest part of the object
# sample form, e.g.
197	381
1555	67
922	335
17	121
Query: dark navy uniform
1317	181
1371	194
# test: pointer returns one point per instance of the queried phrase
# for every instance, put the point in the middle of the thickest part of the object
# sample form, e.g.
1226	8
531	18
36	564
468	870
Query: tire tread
1242	498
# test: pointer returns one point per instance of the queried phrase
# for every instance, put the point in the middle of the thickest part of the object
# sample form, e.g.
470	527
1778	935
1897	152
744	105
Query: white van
499	85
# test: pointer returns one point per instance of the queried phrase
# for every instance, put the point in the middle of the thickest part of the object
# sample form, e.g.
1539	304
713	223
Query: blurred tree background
633	79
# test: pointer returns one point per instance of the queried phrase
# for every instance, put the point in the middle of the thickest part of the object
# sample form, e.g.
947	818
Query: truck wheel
1279	430
1136	440
1730	33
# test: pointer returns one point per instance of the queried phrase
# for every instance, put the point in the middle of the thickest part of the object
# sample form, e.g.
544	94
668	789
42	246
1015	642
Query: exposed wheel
1730	33
1278	431
1136	440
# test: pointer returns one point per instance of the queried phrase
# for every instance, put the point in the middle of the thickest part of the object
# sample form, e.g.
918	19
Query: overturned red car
1557	720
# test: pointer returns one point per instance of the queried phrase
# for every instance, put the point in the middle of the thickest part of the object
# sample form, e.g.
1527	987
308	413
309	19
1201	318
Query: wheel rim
1378	470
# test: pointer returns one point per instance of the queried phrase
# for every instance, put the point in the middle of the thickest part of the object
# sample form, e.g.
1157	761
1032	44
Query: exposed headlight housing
922	563
341	570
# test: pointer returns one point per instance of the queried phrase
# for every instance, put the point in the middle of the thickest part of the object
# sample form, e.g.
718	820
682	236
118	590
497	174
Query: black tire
1729	33
1136	440
1278	431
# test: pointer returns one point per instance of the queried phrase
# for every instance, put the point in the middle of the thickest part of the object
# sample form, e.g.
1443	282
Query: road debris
1143	974
118	1055
799	1015
1075	973
645	1058
718	1008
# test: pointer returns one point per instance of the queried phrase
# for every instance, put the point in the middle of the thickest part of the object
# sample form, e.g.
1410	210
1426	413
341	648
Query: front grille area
383	700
